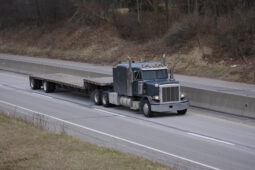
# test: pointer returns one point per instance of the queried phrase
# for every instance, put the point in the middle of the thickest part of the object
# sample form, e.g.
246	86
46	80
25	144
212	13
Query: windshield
155	74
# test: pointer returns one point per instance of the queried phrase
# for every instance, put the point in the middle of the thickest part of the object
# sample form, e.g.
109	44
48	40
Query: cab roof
144	65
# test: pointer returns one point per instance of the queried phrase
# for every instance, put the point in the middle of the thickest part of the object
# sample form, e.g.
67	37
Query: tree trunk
138	10
188	6
167	14
155	7
196	8
38	12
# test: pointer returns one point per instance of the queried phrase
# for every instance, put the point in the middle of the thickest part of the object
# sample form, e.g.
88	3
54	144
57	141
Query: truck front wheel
182	112
146	108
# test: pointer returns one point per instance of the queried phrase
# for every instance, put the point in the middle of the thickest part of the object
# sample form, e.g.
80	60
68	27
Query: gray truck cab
146	86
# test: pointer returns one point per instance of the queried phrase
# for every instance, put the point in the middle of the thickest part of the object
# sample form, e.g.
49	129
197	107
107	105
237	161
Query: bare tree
167	14
138	10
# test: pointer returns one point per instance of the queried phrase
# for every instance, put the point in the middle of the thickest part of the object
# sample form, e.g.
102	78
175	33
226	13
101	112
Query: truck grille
170	94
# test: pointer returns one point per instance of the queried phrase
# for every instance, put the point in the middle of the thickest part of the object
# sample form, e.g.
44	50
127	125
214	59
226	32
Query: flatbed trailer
77	82
57	79
138	85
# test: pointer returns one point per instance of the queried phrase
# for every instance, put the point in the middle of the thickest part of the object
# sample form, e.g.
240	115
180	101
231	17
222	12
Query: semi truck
139	85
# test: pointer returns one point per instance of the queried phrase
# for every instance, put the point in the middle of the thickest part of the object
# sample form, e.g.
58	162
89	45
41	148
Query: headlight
156	85
183	95
155	98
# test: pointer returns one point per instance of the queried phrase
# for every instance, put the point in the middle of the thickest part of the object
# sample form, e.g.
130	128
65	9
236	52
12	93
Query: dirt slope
103	46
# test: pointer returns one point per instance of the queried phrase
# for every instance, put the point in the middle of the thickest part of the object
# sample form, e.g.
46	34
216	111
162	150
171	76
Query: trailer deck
73	81
99	81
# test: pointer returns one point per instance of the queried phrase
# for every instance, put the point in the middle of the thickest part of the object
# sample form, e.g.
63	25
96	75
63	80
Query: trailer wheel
146	108
34	84
97	97
182	112
48	87
105	100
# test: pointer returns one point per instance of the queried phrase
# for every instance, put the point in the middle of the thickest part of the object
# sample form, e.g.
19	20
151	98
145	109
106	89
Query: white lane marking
9	87
42	95
111	113
112	136
46	97
61	101
25	92
5	86
13	75
213	139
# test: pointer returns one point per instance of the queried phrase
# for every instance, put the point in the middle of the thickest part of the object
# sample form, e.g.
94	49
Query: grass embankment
23	146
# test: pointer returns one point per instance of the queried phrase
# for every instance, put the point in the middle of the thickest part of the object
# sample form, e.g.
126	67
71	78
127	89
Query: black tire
34	84
105	99
52	87
96	97
146	108
182	112
48	87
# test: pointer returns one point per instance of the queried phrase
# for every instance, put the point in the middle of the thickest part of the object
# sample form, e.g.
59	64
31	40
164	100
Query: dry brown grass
23	146
102	45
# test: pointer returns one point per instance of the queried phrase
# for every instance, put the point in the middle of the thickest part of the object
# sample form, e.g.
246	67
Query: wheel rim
44	86
104	99
32	83
146	109
96	97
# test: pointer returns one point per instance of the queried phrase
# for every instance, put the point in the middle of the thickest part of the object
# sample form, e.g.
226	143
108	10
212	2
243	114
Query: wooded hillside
231	22
222	30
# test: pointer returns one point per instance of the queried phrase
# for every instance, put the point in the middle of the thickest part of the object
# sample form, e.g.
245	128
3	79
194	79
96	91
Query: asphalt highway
201	139
236	88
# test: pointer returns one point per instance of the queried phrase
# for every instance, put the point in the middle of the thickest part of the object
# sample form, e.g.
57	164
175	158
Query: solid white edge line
111	113
112	136
213	139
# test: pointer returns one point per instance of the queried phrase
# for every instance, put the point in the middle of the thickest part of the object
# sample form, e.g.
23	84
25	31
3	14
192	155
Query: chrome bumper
170	107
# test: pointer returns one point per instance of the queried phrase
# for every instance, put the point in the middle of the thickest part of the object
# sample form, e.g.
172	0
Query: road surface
200	139
189	81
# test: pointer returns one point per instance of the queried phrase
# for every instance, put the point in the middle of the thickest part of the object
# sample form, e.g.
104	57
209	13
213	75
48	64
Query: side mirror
171	72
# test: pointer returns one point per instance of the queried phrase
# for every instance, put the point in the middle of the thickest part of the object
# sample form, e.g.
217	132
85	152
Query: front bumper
170	107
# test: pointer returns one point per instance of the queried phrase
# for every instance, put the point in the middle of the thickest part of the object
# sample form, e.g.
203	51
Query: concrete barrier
34	68
222	102
213	100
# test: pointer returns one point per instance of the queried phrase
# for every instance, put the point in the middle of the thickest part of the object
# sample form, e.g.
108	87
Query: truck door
137	77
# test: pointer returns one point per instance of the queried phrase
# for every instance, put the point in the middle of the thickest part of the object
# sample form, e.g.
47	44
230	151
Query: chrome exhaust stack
129	78
164	59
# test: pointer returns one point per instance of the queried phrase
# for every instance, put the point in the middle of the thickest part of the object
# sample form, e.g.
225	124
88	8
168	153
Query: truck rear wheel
34	84
105	100
146	108
182	112
96	96
48	87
